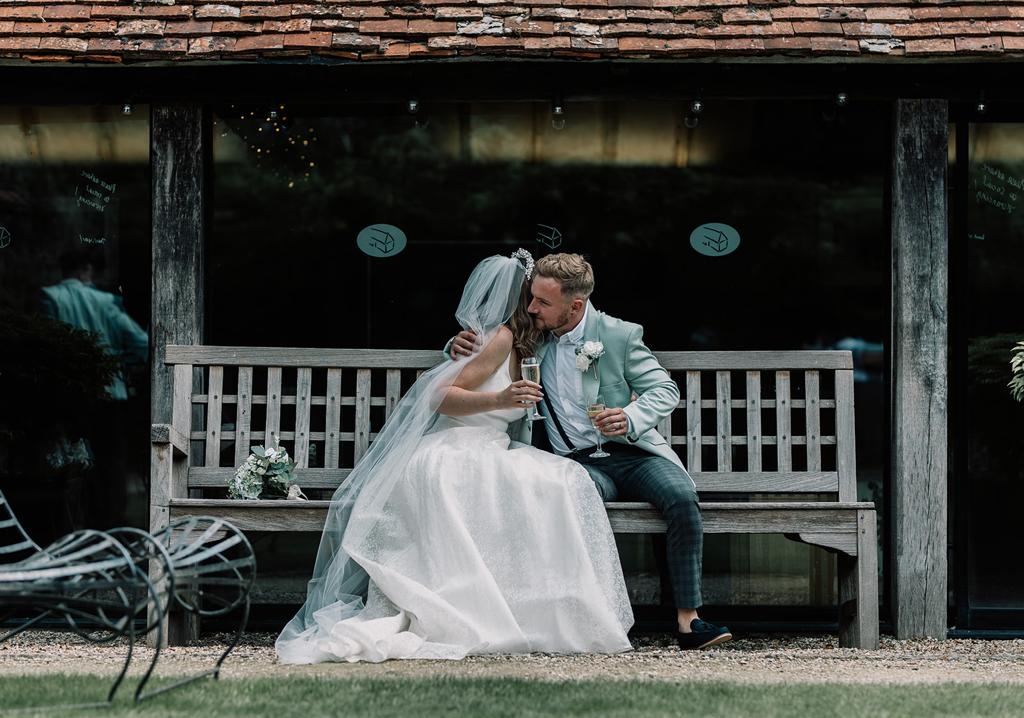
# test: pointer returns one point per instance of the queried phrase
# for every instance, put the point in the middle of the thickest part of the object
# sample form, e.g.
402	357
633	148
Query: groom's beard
562	320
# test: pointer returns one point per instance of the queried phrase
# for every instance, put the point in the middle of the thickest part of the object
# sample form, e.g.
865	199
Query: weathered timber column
177	163
178	148
919	354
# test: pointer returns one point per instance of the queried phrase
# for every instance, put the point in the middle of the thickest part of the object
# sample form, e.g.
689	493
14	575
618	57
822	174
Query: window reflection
74	304
994	421
625	183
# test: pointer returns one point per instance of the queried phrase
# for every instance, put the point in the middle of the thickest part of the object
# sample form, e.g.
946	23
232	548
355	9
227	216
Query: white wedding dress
486	545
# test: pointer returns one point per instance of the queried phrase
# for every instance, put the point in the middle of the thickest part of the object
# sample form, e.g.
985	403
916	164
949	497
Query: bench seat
768	438
814	518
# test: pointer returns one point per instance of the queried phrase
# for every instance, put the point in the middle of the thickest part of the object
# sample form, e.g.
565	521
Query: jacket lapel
542	348
591	377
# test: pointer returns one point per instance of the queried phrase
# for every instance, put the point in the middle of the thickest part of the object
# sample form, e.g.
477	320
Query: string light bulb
557	115
692	117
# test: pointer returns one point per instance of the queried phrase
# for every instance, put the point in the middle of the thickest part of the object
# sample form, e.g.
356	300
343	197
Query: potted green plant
52	378
1017	367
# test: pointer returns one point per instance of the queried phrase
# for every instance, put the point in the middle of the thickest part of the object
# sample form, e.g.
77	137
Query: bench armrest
167	434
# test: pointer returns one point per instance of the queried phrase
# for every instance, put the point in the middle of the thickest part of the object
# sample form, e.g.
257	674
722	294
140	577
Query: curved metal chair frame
102	583
204	571
85	577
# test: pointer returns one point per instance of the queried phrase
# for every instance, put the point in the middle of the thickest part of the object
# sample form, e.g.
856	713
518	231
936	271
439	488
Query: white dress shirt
562	384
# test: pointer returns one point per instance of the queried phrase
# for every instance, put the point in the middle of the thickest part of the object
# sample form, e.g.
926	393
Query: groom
642	465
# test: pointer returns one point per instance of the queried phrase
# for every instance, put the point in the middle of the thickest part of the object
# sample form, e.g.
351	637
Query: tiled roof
239	30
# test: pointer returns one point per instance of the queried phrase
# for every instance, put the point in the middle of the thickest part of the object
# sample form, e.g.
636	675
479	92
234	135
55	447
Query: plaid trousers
632	474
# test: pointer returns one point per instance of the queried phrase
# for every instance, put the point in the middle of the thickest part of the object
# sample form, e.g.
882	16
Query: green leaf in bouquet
275	487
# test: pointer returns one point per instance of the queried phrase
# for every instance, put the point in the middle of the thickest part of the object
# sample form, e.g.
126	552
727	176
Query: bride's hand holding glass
519	395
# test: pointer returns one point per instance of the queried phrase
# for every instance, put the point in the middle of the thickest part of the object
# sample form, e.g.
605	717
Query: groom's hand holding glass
612	422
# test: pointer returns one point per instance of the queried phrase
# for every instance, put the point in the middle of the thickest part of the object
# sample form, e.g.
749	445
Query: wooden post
919	354
179	147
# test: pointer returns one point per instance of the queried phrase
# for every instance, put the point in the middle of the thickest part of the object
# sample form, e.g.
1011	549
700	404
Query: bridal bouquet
265	474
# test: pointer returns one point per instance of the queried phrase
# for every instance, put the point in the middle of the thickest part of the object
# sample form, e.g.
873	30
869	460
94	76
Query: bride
448	538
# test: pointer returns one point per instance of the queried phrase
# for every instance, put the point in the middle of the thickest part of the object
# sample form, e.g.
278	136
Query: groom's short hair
572	271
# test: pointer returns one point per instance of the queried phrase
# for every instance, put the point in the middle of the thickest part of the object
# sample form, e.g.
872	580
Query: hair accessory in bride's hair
527	259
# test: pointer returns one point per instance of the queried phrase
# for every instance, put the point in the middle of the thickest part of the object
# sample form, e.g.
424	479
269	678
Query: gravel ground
792	659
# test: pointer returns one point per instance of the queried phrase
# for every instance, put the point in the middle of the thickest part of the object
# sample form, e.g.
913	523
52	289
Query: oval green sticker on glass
381	240
715	239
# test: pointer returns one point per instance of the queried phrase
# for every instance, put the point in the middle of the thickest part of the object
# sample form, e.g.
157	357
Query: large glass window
624	183
74	315
993	424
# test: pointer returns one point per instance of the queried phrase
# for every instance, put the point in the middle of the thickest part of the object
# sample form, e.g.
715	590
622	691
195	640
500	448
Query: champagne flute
592	411
530	368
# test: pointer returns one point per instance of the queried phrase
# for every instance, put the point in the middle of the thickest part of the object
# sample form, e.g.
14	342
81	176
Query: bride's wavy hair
525	337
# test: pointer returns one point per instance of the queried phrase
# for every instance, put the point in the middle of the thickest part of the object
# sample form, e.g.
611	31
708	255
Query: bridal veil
338	588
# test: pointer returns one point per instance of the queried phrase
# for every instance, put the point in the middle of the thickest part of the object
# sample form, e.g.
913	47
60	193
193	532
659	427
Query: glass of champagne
592	411
530	368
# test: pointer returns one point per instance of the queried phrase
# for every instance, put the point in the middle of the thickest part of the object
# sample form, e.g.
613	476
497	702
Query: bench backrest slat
243	422
362	440
273	423
812	412
754	420
693	425
783	428
766	426
723	417
393	391
215	392
846	451
303	390
332	421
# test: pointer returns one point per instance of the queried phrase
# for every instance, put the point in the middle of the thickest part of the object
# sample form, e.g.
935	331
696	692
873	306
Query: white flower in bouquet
245	484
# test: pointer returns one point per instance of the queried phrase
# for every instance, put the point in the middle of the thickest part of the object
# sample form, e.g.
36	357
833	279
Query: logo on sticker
381	240
715	239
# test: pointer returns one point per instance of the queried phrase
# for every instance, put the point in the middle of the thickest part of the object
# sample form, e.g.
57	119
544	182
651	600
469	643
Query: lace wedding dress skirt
486	545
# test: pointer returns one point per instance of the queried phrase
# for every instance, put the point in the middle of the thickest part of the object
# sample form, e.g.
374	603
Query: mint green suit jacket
627	367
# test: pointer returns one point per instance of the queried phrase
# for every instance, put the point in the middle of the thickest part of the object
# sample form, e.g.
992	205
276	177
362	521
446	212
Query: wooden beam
178	153
176	146
919	352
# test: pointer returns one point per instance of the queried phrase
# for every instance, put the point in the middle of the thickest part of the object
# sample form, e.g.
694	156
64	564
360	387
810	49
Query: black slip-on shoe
702	635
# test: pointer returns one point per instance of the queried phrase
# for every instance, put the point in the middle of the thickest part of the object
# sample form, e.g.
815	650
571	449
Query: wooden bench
767	436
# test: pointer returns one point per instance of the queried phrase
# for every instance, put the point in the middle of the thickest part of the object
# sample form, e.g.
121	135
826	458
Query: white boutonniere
587	353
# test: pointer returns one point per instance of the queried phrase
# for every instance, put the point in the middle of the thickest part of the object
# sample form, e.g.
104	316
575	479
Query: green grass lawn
416	698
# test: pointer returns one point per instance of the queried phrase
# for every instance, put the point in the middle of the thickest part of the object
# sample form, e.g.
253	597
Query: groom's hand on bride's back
465	344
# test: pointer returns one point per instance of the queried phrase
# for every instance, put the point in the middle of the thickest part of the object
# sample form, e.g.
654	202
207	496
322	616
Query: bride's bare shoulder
487	361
